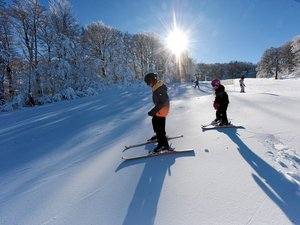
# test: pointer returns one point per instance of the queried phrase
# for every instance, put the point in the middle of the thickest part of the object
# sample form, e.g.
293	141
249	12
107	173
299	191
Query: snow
61	163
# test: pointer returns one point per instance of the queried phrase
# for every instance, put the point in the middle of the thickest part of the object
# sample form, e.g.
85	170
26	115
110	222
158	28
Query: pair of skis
153	154
212	126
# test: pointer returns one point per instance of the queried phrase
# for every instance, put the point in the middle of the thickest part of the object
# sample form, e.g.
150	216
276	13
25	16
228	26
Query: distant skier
242	85
220	103
197	83
159	112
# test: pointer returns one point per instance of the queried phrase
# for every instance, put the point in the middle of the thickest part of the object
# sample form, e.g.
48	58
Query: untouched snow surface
61	164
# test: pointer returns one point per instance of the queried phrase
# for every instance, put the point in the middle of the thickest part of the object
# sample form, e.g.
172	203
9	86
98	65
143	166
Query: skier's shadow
143	206
281	190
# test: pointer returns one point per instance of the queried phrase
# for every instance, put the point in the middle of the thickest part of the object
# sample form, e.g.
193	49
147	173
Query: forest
47	56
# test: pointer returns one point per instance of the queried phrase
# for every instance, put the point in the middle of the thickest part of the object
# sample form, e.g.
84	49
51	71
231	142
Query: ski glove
216	105
150	114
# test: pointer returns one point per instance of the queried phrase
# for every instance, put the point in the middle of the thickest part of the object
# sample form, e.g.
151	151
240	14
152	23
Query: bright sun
177	41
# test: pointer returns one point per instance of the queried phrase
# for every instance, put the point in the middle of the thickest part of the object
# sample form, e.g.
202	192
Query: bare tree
147	50
295	48
282	60
26	16
6	55
103	44
287	57
128	53
269	64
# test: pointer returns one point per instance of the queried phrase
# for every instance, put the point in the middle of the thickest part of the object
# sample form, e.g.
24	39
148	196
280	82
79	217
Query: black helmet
150	77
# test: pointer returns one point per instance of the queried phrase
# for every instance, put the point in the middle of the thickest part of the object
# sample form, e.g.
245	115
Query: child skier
159	112
242	85
220	103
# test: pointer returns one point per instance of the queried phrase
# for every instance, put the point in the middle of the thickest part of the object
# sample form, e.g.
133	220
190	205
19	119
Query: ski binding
149	142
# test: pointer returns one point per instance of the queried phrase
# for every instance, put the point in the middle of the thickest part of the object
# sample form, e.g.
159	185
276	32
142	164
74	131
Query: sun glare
177	41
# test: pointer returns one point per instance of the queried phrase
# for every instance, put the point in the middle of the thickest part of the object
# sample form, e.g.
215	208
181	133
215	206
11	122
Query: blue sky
219	30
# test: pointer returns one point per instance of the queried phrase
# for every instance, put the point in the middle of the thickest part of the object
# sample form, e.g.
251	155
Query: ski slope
60	164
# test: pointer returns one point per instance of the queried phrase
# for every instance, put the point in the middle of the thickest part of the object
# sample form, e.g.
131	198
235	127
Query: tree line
281	61
275	62
231	70
46	56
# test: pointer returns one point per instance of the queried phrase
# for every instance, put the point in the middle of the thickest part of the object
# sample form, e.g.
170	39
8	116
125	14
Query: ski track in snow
284	159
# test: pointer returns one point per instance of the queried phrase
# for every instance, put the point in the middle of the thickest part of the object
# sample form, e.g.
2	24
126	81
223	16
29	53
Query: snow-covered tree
6	54
100	43
65	44
57	59
280	61
287	58
269	64
148	54
295	48
128	55
26	16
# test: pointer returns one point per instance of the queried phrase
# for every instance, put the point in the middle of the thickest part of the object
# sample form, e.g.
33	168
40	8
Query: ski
212	127
151	154
148	142
215	124
207	125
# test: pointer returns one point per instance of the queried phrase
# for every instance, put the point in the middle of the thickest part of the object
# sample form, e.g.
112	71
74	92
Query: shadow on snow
143	206
281	190
68	132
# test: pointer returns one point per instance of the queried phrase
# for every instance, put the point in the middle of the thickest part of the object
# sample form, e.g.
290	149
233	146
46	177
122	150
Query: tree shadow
143	206
70	133
279	189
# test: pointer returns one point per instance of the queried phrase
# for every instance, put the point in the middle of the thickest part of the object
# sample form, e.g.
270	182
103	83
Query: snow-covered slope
61	163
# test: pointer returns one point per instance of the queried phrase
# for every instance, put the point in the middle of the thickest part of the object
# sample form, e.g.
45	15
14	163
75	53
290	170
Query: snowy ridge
60	164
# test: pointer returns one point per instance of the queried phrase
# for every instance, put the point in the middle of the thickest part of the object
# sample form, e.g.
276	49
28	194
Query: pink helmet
215	83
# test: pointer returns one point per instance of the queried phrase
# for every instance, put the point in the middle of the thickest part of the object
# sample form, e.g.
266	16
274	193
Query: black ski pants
221	113
159	124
